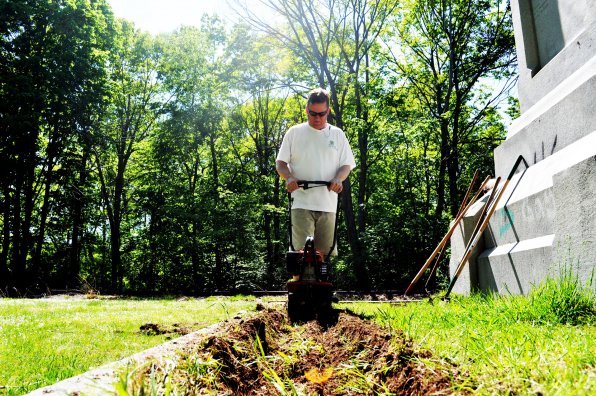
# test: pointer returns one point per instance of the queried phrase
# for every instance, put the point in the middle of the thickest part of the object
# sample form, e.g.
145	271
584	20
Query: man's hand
292	184
342	174
335	185
284	171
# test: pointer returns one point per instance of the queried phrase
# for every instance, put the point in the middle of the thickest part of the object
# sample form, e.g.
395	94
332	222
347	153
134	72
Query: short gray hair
318	95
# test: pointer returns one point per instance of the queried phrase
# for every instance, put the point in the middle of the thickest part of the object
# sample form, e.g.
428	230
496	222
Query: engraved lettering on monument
556	24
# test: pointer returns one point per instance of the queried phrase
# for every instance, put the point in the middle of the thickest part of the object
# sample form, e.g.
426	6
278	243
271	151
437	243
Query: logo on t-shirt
332	145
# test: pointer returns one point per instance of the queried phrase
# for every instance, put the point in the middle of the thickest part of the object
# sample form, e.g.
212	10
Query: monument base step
498	271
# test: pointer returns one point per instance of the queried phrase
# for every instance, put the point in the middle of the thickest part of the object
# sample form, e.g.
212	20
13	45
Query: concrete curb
101	381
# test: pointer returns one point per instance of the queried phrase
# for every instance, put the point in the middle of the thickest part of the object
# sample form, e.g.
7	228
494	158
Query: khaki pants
320	225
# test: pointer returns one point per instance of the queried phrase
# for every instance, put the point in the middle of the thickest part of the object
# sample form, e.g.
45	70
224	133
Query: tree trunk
198	280
43	271
23	213
279	249
218	281
453	169
27	244
18	266
442	169
115	255
363	163
74	267
353	238
149	265
4	274
270	259
115	229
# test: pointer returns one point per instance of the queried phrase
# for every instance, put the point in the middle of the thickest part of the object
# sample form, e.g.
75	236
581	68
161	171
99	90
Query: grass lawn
46	340
506	344
544	343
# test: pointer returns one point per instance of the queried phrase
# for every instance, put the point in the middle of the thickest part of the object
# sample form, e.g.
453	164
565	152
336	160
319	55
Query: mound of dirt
265	355
152	329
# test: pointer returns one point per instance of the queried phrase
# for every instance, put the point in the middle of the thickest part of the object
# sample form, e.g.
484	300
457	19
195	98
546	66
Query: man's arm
284	171
341	175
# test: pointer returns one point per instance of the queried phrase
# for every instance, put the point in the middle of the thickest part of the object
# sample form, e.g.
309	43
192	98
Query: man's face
317	115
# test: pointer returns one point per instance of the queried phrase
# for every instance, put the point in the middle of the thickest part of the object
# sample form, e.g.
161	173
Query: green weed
563	301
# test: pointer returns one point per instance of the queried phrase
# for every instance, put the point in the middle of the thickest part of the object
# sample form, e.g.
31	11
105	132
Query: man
315	150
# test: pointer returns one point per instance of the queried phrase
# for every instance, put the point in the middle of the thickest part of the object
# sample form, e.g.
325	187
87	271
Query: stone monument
545	223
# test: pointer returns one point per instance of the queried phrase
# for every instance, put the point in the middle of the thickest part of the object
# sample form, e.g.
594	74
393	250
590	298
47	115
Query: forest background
145	164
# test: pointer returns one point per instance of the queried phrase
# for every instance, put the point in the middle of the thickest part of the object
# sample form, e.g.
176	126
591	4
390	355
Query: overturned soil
171	331
266	355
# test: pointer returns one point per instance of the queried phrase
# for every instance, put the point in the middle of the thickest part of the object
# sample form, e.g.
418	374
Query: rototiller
311	295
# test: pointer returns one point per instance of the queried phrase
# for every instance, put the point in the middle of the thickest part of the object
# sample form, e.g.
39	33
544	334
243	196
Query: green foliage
146	164
444	51
561	301
53	83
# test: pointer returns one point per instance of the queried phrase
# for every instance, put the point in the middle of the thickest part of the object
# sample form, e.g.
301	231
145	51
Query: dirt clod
152	329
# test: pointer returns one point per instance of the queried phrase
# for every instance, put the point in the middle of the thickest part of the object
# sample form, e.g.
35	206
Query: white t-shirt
314	154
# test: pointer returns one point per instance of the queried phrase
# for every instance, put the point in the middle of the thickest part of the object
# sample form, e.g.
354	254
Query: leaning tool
480	229
459	212
487	206
445	238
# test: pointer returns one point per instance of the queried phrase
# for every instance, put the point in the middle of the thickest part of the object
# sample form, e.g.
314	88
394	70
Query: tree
447	48
136	103
188	138
257	127
51	80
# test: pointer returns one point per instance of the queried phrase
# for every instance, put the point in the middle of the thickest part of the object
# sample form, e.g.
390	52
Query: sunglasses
317	114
